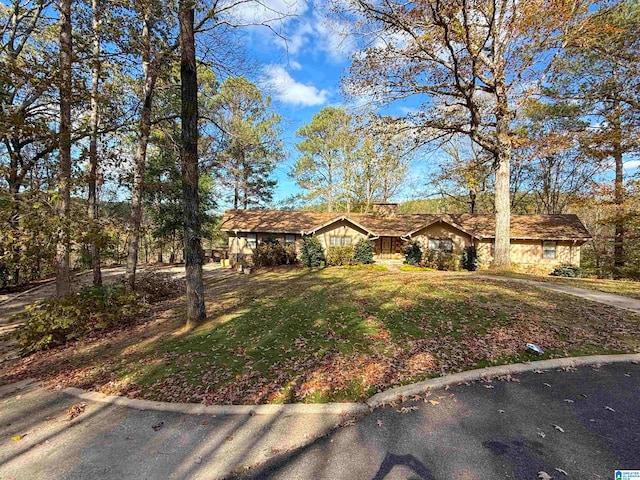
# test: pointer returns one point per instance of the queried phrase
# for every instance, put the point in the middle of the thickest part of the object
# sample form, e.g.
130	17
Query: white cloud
632	164
286	89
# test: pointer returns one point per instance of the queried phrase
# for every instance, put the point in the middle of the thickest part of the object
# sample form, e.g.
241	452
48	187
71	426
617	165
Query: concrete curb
199	409
393	395
399	393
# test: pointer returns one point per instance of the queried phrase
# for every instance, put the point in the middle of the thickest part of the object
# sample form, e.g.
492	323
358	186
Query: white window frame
289	239
252	240
549	254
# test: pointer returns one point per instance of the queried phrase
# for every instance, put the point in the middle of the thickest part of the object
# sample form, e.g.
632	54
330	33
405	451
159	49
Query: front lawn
626	288
297	335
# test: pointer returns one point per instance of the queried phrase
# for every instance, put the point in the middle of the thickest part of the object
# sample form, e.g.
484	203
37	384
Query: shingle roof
526	227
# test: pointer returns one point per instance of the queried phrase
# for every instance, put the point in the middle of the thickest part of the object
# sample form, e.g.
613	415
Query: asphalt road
585	423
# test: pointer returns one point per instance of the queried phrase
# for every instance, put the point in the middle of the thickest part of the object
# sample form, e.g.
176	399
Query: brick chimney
385	209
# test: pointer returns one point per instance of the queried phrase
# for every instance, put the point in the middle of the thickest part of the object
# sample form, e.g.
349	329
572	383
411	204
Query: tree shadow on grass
293	334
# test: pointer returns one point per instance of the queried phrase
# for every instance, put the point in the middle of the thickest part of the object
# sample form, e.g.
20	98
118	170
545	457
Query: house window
339	241
252	240
441	244
289	239
548	249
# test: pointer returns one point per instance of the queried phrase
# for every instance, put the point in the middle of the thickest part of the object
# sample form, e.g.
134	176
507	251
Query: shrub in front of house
566	270
271	252
429	259
311	252
447	261
413	253
338	256
469	258
94	310
363	251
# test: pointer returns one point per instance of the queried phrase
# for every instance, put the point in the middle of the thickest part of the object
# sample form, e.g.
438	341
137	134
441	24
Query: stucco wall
459	239
528	253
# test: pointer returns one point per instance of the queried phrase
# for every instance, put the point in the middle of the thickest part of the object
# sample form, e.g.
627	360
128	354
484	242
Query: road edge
392	395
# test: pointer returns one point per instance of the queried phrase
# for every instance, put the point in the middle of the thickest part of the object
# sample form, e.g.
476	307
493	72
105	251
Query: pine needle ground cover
299	335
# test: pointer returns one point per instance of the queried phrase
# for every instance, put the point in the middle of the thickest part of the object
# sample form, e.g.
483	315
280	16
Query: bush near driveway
93	310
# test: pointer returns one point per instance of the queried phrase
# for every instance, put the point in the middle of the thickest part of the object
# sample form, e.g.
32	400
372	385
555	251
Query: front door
386	247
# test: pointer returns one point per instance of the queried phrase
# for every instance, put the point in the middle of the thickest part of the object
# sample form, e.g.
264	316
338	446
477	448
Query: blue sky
302	73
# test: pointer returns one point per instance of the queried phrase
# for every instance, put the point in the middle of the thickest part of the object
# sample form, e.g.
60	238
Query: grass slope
297	335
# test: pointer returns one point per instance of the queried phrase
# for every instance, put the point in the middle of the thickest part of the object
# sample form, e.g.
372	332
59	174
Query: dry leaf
609	408
75	410
568	400
379	422
559	470
18	437
544	476
559	428
547	385
434	402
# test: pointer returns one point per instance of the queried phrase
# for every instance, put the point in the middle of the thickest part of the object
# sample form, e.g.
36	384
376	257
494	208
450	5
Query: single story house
543	241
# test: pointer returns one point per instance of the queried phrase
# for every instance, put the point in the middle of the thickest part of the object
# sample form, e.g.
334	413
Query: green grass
413	268
297	335
626	288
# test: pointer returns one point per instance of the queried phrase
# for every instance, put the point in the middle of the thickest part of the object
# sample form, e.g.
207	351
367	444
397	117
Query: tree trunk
135	219
189	158
93	148
502	200
330	188
63	280
618	243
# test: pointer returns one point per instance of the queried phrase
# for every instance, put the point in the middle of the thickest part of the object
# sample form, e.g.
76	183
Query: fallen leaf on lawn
158	426
568	400
609	408
488	386
559	428
434	402
542	434
547	385
18	437
583	395
75	410
627	375
500	411
544	476
379	422
559	470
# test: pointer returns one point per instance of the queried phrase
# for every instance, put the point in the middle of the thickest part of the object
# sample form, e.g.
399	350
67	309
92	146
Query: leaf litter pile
292	335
